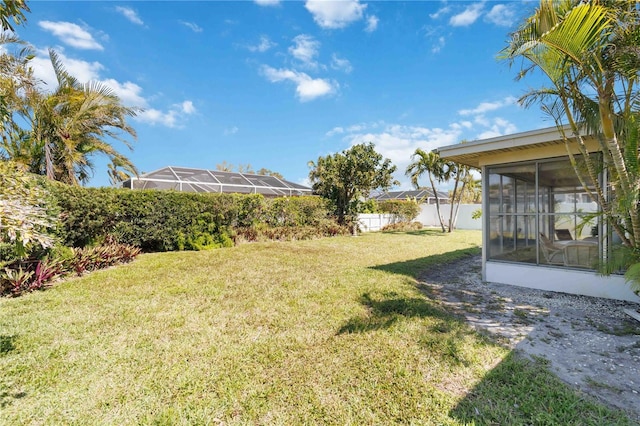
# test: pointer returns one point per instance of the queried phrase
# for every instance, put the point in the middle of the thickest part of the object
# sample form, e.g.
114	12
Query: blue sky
276	84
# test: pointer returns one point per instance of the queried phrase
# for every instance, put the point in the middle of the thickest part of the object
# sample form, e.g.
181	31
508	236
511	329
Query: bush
296	211
169	220
404	210
151	220
402	227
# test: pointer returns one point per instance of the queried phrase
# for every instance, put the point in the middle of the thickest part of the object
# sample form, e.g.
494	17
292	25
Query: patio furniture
563	235
553	254
581	254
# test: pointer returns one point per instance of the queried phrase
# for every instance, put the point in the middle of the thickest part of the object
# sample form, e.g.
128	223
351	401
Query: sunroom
541	229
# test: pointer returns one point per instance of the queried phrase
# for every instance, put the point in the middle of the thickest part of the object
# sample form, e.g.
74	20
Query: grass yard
331	331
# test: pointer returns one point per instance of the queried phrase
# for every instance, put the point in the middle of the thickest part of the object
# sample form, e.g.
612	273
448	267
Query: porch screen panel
512	225
536	209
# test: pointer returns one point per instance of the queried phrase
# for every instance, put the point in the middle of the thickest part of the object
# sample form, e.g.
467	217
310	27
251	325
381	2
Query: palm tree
435	167
12	10
70	125
589	52
462	176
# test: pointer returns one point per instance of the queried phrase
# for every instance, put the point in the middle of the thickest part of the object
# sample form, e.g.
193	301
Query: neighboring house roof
203	180
527	145
419	194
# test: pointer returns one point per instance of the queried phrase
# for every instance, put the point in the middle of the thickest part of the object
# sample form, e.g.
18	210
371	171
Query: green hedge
405	210
169	220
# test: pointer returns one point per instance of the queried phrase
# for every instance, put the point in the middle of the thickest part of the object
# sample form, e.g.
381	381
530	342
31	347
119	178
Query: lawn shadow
7	343
520	390
384	310
431	232
382	313
413	268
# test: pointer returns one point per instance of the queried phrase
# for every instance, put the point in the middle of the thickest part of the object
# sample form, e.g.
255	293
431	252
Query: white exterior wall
563	280
429	216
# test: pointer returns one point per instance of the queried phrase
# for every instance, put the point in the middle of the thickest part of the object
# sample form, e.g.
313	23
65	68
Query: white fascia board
516	140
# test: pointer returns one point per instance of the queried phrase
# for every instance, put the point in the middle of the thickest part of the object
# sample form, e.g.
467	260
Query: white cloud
305	49
442	11
129	93
335	14
501	15
264	45
489	126
468	16
307	88
338	63
267	2
498	127
488	106
188	107
360	127
83	71
398	142
192	26
438	45
71	34
335	131
154	116
231	131
372	23
130	14
172	118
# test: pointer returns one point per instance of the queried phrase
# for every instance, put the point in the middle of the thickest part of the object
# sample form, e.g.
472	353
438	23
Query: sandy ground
590	343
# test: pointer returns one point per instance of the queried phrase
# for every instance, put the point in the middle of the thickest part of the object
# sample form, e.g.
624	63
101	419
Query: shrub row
168	220
404	210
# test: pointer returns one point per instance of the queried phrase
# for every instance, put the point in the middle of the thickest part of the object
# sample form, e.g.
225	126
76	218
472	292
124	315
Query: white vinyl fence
370	222
428	217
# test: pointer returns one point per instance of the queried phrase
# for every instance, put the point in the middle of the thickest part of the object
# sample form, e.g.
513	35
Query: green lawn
331	331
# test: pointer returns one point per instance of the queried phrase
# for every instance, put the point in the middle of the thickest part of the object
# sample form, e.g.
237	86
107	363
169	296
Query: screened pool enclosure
421	195
203	180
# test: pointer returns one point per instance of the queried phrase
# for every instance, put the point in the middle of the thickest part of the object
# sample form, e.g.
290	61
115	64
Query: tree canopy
348	177
57	133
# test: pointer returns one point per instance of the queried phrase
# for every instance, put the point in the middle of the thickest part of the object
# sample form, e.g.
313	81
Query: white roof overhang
542	143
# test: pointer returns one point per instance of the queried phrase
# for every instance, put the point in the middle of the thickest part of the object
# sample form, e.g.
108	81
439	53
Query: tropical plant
23	218
66	128
348	177
439	170
588	50
15	281
12	10
431	164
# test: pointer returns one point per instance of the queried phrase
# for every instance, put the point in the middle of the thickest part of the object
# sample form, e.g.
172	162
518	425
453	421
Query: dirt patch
590	343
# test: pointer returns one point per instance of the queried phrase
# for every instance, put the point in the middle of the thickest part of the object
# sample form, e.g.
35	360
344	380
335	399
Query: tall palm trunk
435	193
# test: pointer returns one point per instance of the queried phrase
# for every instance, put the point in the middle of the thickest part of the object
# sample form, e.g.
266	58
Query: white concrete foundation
572	281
